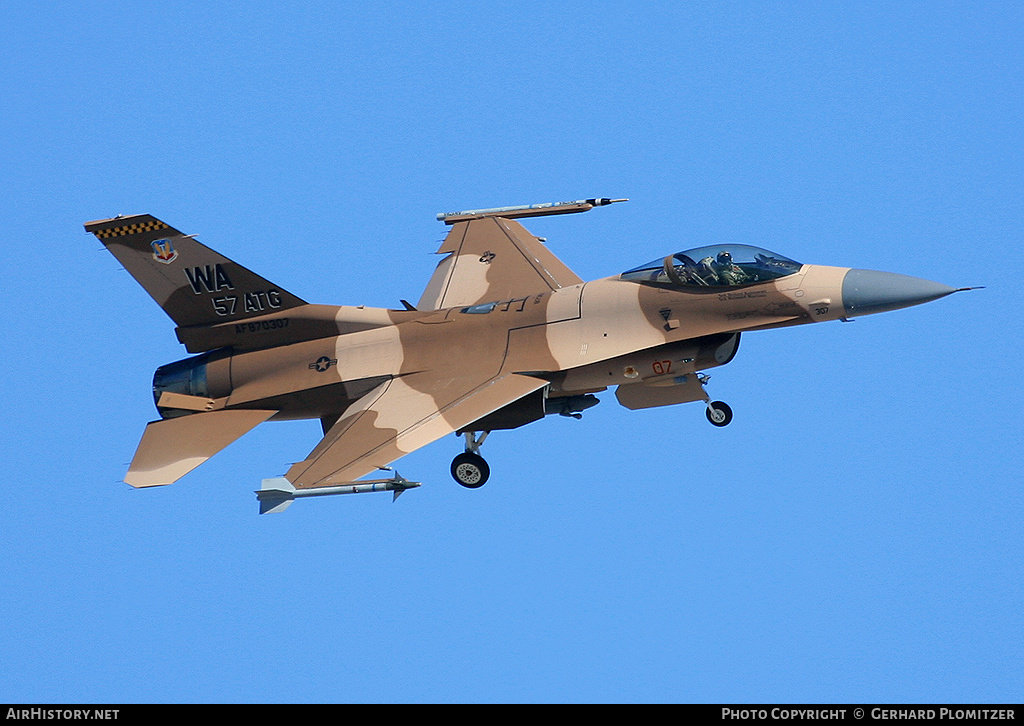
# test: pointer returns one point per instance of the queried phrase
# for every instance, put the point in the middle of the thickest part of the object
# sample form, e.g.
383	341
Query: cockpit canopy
713	266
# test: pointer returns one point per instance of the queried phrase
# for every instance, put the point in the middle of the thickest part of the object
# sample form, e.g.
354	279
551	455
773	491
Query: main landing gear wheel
719	413
470	470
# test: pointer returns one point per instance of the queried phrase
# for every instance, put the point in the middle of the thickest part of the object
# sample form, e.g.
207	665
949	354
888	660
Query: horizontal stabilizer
173	447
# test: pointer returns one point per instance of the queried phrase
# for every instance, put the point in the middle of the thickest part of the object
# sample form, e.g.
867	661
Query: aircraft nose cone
868	291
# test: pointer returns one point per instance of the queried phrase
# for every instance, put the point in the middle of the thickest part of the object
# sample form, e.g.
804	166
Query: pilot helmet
724	257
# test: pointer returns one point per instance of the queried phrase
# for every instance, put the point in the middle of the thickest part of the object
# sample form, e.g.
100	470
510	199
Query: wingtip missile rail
528	210
277	494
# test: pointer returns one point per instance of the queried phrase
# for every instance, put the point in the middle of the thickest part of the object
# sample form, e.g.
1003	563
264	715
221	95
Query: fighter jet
503	335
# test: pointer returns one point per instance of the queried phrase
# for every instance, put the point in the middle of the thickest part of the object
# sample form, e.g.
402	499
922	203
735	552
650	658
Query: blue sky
853	536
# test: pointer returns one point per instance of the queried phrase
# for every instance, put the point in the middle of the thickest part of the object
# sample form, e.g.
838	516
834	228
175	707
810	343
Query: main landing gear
469	469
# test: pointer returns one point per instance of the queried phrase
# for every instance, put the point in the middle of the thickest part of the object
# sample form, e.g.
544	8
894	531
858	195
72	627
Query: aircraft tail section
173	447
191	282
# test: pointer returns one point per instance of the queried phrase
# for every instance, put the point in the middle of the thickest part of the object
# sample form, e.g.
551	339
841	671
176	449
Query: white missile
528	210
276	495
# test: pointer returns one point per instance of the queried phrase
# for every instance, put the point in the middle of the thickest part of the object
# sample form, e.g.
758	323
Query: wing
490	259
401	415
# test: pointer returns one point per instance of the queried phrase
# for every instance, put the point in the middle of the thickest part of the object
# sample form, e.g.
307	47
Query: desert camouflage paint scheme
503	334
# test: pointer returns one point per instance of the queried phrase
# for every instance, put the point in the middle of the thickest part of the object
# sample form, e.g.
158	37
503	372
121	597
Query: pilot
728	272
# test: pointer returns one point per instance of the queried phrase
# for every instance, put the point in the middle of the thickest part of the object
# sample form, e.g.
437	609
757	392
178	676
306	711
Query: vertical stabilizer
194	284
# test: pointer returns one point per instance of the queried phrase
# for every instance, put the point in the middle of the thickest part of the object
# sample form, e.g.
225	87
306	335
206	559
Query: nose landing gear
470	469
719	413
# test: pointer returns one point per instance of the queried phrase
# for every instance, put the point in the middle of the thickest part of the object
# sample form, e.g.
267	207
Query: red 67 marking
662	367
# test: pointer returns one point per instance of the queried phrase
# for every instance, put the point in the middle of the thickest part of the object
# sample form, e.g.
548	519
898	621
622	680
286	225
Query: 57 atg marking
252	302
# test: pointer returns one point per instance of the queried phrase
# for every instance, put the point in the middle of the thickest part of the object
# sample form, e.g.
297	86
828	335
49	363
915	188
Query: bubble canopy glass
715	266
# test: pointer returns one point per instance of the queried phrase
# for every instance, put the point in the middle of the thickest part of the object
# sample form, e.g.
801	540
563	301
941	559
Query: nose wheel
718	413
469	469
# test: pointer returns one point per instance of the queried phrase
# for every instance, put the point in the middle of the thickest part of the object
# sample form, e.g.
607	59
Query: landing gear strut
469	469
718	412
